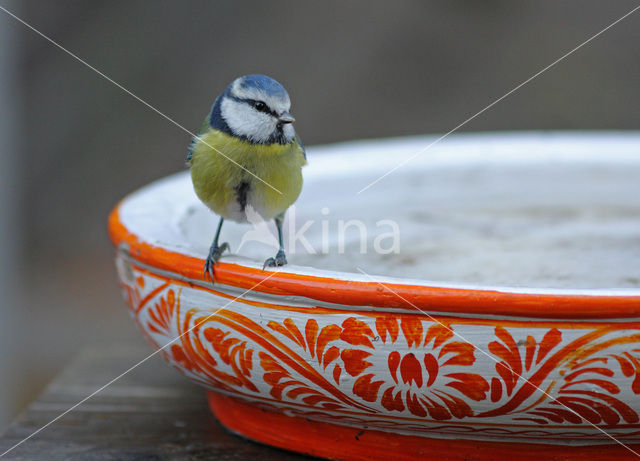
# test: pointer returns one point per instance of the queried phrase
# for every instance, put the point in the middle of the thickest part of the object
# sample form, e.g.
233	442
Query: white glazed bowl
508	321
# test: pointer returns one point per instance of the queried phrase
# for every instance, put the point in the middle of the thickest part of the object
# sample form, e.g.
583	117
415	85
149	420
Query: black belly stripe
242	190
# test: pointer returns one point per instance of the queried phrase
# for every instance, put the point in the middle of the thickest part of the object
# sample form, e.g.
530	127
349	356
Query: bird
247	157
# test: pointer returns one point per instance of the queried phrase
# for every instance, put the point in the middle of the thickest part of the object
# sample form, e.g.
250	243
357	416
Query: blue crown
262	82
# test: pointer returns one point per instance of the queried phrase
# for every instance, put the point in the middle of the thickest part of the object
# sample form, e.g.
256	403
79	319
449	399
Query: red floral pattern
430	356
402	368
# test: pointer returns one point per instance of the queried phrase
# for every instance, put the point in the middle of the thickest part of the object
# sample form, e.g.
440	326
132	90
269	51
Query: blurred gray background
72	144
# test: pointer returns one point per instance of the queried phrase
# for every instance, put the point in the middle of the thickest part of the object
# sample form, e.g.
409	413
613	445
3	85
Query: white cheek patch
244	120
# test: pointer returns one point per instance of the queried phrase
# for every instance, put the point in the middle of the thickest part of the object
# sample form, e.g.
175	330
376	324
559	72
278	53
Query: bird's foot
279	260
214	255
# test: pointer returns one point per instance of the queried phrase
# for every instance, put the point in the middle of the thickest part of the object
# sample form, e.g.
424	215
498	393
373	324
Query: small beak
286	117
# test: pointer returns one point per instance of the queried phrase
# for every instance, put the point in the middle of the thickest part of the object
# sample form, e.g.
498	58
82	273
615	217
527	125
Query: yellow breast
229	188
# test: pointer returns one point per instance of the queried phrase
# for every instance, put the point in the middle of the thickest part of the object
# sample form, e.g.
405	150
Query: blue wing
203	129
304	151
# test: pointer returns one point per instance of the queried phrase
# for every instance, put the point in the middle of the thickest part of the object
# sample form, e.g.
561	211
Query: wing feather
203	128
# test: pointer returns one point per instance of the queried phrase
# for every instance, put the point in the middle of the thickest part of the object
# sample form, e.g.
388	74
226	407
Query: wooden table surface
151	413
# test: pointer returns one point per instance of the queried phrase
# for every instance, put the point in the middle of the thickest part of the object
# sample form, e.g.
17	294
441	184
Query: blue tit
246	155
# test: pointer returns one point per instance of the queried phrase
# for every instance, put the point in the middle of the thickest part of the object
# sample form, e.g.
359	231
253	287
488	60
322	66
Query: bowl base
346	443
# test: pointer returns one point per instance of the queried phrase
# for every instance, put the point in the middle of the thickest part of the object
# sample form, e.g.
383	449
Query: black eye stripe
252	103
261	107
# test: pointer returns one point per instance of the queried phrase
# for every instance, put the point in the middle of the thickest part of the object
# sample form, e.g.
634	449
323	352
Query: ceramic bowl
498	316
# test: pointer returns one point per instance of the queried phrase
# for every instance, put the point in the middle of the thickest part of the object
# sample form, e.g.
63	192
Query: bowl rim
353	289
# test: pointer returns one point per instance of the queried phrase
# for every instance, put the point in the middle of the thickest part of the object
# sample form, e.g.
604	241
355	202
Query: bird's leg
280	259
215	252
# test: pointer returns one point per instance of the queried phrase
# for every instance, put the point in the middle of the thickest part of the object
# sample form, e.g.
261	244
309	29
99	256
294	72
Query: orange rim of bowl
474	301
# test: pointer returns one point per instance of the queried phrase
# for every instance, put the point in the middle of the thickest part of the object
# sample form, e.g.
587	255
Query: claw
271	262
279	260
215	253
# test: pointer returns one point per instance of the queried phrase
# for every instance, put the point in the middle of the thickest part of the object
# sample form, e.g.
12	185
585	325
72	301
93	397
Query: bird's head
255	108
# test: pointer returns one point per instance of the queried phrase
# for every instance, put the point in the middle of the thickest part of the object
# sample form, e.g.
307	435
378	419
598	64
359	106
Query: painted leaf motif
311	333
596	370
337	371
282	330
626	367
463	353
293	329
392	402
179	356
496	389
367	389
550	340
635	386
412	330
436	410
431	364
508	351
414	406
508	376
162	314
354	361
356	332
457	407
219	342
387	324
394	362
472	385
439	333
327	334
332	354
411	370
530	351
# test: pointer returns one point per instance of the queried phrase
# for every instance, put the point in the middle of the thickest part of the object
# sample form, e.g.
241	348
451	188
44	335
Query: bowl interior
521	210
